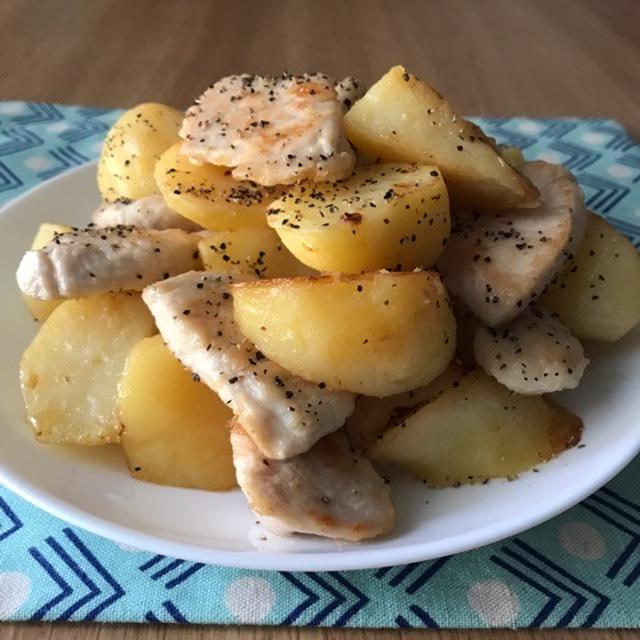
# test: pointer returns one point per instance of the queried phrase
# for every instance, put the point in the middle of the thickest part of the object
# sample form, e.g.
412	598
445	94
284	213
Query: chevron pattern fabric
581	569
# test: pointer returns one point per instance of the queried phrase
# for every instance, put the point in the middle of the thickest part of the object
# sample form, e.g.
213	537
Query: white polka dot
619	171
58	127
12	108
494	602
581	540
249	599
96	147
37	163
594	138
14	592
127	547
550	156
530	127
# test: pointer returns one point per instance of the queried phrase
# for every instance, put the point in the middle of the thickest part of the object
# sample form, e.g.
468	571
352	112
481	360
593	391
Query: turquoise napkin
581	569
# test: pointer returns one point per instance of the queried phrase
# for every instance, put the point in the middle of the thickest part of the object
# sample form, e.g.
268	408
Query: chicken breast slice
348	91
283	413
91	261
532	355
150	212
328	491
272	130
498	264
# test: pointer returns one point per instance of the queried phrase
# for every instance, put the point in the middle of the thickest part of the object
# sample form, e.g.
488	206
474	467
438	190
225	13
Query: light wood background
499	57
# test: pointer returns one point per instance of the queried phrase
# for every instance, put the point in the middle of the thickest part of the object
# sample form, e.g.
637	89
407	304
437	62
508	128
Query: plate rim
355	558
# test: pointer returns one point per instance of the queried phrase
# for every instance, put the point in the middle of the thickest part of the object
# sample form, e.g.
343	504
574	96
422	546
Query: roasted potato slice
132	148
384	216
378	334
256	252
597	294
402	118
513	155
174	428
476	431
372	416
42	309
209	195
69	374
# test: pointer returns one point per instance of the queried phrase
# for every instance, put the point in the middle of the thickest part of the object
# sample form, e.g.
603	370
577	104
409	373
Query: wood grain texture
70	631
499	57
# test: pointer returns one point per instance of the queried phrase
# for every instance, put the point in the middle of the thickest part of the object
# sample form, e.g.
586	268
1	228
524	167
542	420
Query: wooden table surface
499	57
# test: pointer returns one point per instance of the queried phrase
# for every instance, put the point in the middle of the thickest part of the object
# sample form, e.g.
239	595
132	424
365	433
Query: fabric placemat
581	569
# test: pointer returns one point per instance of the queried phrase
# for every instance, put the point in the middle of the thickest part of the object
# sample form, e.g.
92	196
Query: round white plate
90	487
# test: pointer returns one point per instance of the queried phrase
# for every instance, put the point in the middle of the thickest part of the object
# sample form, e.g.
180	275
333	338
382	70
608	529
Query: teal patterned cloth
581	569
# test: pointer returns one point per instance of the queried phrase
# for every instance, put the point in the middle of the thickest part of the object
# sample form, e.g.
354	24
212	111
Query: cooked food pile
300	279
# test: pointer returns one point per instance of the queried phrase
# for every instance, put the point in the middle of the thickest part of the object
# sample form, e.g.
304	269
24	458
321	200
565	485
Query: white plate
91	488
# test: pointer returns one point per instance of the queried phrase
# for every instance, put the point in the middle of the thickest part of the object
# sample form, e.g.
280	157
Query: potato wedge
372	416
69	373
209	196
256	252
132	148
402	118
513	155
597	294
476	431
378	334
385	216
174	428
42	309
46	232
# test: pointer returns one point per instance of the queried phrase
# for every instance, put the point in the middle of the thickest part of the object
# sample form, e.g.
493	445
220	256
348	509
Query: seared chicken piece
91	261
498	264
283	413
271	130
532	355
150	212
328	491
349	90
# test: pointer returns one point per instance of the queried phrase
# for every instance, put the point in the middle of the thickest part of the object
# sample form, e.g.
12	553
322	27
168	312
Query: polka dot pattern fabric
581	569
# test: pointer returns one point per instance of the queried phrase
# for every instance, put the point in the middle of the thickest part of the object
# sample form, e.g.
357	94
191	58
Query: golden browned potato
209	196
257	252
392	216
372	416
69	373
174	428
42	309
597	295
402	118
378	334
513	155
476	431
132	148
